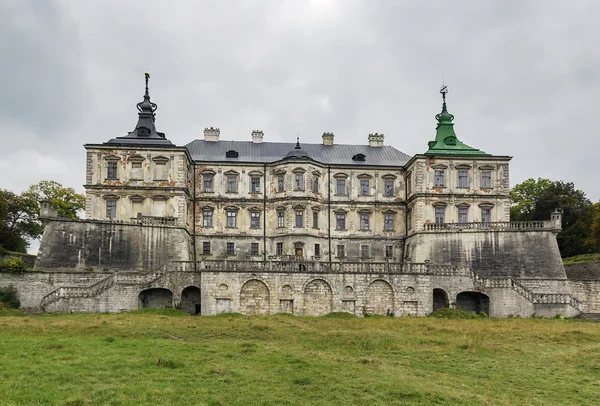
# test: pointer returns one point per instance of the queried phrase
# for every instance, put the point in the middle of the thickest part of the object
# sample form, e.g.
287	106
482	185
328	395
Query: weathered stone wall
158	187
101	245
302	294
424	195
516	254
584	279
297	233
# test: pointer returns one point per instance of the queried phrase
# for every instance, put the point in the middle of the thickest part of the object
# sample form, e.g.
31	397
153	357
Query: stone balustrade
154	220
492	226
294	266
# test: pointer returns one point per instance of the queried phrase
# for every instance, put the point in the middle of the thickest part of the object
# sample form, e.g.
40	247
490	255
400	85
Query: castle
259	228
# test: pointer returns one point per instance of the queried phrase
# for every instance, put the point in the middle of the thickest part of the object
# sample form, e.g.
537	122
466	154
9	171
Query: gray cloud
522	77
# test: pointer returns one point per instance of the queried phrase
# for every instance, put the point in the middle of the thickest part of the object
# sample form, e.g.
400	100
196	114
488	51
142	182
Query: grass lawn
173	359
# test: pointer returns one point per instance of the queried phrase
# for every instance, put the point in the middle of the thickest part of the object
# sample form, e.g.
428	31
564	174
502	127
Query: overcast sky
523	77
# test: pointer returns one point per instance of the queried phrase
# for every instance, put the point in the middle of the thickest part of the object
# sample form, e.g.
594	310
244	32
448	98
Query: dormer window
359	157
231	154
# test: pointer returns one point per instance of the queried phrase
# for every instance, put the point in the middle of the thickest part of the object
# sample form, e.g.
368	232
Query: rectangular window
230	248
299	218
486	215
317	250
206	248
254	248
440	215
111	173
364	251
315	185
315	219
389	188
207	185
254	219
409	220
111	209
463	215
281	219
439	179
409	184
364	222
299	181
255	185
207	218
486	179
389	251
231	219
364	187
340	187
340	221
136	165
341	252
463	179
279	248
280	185
232	184
388	222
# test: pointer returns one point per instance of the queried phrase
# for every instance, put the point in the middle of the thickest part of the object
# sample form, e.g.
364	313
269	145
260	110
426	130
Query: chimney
376	140
257	136
211	134
327	138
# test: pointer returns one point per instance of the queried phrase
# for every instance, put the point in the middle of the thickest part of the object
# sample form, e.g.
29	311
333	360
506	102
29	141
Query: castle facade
262	227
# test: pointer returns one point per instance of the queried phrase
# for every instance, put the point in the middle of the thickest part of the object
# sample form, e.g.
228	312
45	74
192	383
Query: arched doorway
380	298
440	299
254	298
155	298
473	302
190	300
317	298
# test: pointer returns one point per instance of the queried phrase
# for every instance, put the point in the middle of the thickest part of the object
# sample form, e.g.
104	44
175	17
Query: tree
64	200
18	221
19	214
537	199
524	197
595	234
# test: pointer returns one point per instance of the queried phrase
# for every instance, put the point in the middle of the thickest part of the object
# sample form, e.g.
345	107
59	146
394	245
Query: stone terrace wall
85	245
516	254
585	284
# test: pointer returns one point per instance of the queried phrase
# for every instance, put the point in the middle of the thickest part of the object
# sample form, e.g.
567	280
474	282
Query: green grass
150	358
582	258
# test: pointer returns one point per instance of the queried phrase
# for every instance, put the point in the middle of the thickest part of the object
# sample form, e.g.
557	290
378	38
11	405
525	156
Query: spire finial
147	75
443	91
298	142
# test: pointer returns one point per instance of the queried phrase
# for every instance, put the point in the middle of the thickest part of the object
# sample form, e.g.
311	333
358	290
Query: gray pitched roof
266	152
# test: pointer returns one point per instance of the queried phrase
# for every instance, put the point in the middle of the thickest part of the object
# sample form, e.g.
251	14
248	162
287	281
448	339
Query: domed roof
297	152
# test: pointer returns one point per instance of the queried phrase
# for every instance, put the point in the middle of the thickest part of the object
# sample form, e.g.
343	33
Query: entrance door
299	252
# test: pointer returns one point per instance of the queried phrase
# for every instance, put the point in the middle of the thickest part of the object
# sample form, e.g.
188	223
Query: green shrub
456	314
8	297
13	264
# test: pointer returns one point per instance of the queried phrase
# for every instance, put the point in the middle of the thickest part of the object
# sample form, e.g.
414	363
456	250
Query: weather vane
443	91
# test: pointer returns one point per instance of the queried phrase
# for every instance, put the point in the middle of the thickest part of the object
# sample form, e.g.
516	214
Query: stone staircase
535	298
94	290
